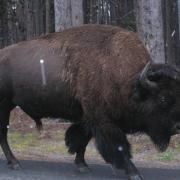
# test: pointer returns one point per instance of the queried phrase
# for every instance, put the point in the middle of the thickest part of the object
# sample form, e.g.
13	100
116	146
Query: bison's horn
145	82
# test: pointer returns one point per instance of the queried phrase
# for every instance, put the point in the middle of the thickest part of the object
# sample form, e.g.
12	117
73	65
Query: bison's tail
39	125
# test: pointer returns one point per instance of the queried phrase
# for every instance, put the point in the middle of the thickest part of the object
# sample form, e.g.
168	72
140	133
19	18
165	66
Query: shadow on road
42	170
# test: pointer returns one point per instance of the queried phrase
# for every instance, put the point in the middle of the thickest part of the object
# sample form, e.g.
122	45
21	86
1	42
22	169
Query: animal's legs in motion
77	139
115	149
5	109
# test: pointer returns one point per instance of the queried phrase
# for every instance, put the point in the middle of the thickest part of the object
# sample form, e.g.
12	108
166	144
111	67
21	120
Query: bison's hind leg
76	139
5	108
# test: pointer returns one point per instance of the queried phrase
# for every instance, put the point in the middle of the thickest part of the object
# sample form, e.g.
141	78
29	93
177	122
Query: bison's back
80	64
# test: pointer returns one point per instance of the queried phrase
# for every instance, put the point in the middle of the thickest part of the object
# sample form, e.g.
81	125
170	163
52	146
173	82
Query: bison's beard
160	140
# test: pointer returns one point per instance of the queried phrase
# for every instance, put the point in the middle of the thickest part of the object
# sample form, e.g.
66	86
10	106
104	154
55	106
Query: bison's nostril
177	126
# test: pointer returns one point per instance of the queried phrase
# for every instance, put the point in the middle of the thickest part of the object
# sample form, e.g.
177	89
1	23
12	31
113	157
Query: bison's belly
49	105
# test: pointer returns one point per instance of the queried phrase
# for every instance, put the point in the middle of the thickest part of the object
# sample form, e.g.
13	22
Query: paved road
35	170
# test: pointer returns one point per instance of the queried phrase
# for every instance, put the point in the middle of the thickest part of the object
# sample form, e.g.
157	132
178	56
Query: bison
98	77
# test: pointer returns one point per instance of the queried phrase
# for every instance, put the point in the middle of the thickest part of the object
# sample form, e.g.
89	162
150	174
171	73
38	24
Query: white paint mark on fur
120	148
43	72
41	61
173	33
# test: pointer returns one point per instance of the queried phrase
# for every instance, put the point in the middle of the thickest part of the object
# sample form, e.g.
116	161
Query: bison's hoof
83	168
136	177
15	166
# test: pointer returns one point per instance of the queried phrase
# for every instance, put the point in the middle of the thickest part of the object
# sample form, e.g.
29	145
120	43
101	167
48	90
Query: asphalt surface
42	170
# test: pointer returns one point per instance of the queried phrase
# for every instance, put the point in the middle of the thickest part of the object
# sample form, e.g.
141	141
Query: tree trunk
68	13
171	29
149	18
28	11
48	12
21	21
63	18
77	12
179	15
37	13
3	24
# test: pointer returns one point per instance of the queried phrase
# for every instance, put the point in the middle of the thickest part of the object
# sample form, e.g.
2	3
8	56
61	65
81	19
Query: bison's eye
165	101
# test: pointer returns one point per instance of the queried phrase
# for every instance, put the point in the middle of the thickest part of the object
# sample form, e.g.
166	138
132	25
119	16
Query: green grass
21	142
52	147
169	155
53	143
32	142
59	136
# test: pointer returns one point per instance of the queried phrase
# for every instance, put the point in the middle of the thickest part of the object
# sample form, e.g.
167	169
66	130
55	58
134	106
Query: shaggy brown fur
93	79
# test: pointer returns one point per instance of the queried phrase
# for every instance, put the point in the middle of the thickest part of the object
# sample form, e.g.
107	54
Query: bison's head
158	92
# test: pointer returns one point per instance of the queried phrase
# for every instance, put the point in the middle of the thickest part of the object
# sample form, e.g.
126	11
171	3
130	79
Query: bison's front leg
5	108
115	149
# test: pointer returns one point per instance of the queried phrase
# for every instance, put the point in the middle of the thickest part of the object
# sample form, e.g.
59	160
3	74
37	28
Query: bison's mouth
161	141
162	146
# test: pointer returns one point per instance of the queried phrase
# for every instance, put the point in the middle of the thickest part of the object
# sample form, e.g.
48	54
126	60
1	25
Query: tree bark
23	19
68	13
3	24
171	29
77	12
63	18
179	14
149	18
37	13
28	4
48	12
